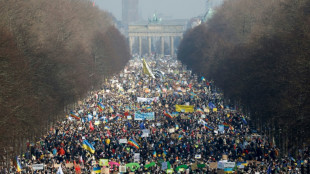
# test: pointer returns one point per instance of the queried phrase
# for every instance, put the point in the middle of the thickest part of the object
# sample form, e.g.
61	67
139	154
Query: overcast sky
172	9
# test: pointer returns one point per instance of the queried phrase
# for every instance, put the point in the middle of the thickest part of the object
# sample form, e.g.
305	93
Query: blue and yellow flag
88	146
97	169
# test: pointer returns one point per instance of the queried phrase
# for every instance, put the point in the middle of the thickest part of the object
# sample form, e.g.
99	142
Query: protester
204	131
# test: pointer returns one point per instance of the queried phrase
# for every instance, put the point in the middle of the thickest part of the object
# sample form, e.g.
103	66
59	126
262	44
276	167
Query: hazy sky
173	9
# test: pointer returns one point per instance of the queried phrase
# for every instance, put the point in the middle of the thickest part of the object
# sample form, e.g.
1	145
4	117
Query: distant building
130	11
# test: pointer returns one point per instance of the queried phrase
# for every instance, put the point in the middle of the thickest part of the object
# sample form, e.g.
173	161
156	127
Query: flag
97	169
269	170
142	126
154	154
59	171
228	170
199	110
168	115
101	107
203	79
184	108
18	165
147	70
91	127
180	137
90	117
149	108
244	121
208	126
133	143
129	125
88	146
74	116
107	127
226	125
211	105
177	127
111	109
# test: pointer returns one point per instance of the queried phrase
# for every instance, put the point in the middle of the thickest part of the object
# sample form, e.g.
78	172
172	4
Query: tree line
51	54
258	53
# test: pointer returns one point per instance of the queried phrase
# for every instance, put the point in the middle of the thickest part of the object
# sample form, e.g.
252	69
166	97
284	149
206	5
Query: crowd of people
196	136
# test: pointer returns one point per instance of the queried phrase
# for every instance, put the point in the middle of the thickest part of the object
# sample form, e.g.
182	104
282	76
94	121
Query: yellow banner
184	108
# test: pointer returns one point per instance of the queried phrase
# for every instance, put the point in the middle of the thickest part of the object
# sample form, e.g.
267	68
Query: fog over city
167	9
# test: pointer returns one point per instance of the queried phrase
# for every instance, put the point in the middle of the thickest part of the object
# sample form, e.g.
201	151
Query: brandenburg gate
151	31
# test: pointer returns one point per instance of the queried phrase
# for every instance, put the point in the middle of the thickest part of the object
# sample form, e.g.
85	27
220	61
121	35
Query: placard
105	170
123	141
171	130
197	156
37	166
122	169
136	157
104	162
213	165
164	165
144	115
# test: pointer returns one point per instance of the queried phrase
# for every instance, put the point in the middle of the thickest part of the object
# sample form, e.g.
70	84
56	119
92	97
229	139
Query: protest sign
145	116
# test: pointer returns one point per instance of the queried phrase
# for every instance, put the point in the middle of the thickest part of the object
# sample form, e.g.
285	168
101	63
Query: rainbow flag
154	154
226	125
88	146
133	143
199	110
208	126
168	115
18	165
97	169
74	116
101	107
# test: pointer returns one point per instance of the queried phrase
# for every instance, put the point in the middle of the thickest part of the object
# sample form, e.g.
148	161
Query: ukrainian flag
97	170
228	170
88	146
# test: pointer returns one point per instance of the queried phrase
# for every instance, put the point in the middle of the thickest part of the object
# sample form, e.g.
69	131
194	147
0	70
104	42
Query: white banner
37	166
148	100
123	141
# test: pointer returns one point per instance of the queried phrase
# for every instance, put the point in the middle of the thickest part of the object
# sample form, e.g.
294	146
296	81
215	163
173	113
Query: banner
145	116
148	100
37	166
223	165
123	141
184	108
104	162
